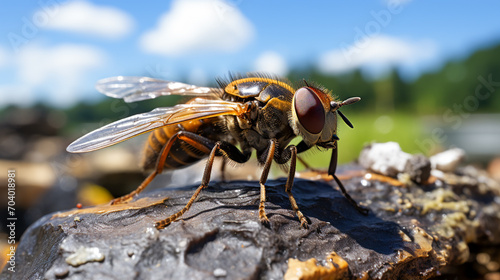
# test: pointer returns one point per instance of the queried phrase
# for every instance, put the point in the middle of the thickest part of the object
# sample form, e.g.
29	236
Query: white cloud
57	71
84	17
377	54
272	63
198	25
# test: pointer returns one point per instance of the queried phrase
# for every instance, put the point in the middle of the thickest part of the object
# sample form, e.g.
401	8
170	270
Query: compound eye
310	110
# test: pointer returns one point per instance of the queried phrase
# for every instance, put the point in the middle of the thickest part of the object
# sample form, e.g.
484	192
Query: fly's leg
204	144
160	164
331	171
304	163
142	186
289	184
204	183
263	178
302	147
307	166
353	202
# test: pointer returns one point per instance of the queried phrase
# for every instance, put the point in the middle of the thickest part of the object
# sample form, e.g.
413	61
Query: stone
418	168
384	158
388	159
448	160
413	231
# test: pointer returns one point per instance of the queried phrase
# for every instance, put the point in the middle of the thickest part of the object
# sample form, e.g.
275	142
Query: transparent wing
141	123
133	89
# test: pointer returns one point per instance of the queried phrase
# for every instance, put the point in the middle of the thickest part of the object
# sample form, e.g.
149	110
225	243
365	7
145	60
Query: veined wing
127	128
133	89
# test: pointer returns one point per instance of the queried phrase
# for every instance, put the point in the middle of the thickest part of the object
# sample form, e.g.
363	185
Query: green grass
368	128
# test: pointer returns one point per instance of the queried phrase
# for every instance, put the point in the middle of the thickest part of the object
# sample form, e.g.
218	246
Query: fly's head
314	116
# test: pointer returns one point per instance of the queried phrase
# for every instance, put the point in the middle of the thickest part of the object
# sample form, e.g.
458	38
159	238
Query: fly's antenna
305	82
335	106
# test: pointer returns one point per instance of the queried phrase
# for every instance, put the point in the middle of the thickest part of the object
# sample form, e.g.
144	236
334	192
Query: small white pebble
364	183
152	233
183	243
448	160
219	272
84	255
384	158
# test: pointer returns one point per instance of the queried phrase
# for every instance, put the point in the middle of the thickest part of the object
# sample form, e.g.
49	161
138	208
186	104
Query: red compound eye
309	109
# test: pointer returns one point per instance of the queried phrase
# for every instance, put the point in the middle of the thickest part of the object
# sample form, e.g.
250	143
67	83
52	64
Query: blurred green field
400	127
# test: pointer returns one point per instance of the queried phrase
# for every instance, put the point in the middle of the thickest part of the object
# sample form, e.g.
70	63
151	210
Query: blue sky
56	50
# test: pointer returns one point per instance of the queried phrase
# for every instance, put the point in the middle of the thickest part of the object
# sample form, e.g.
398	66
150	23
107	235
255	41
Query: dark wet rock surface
412	232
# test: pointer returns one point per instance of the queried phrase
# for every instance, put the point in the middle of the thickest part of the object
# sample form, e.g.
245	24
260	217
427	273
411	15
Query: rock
384	158
412	232
336	268
418	168
448	160
388	159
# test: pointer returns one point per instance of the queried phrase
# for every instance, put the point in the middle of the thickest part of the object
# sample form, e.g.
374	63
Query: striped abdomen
181	154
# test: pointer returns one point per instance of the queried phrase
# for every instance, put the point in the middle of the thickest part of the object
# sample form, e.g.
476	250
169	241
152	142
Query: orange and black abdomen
181	154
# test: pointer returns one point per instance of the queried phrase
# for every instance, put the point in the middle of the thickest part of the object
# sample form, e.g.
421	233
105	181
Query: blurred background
428	74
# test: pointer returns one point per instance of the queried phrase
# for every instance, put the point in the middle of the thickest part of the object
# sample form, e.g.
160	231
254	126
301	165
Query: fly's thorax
261	122
312	117
272	119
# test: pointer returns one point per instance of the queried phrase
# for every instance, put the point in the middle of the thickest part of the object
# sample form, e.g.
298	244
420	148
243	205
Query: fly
245	113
